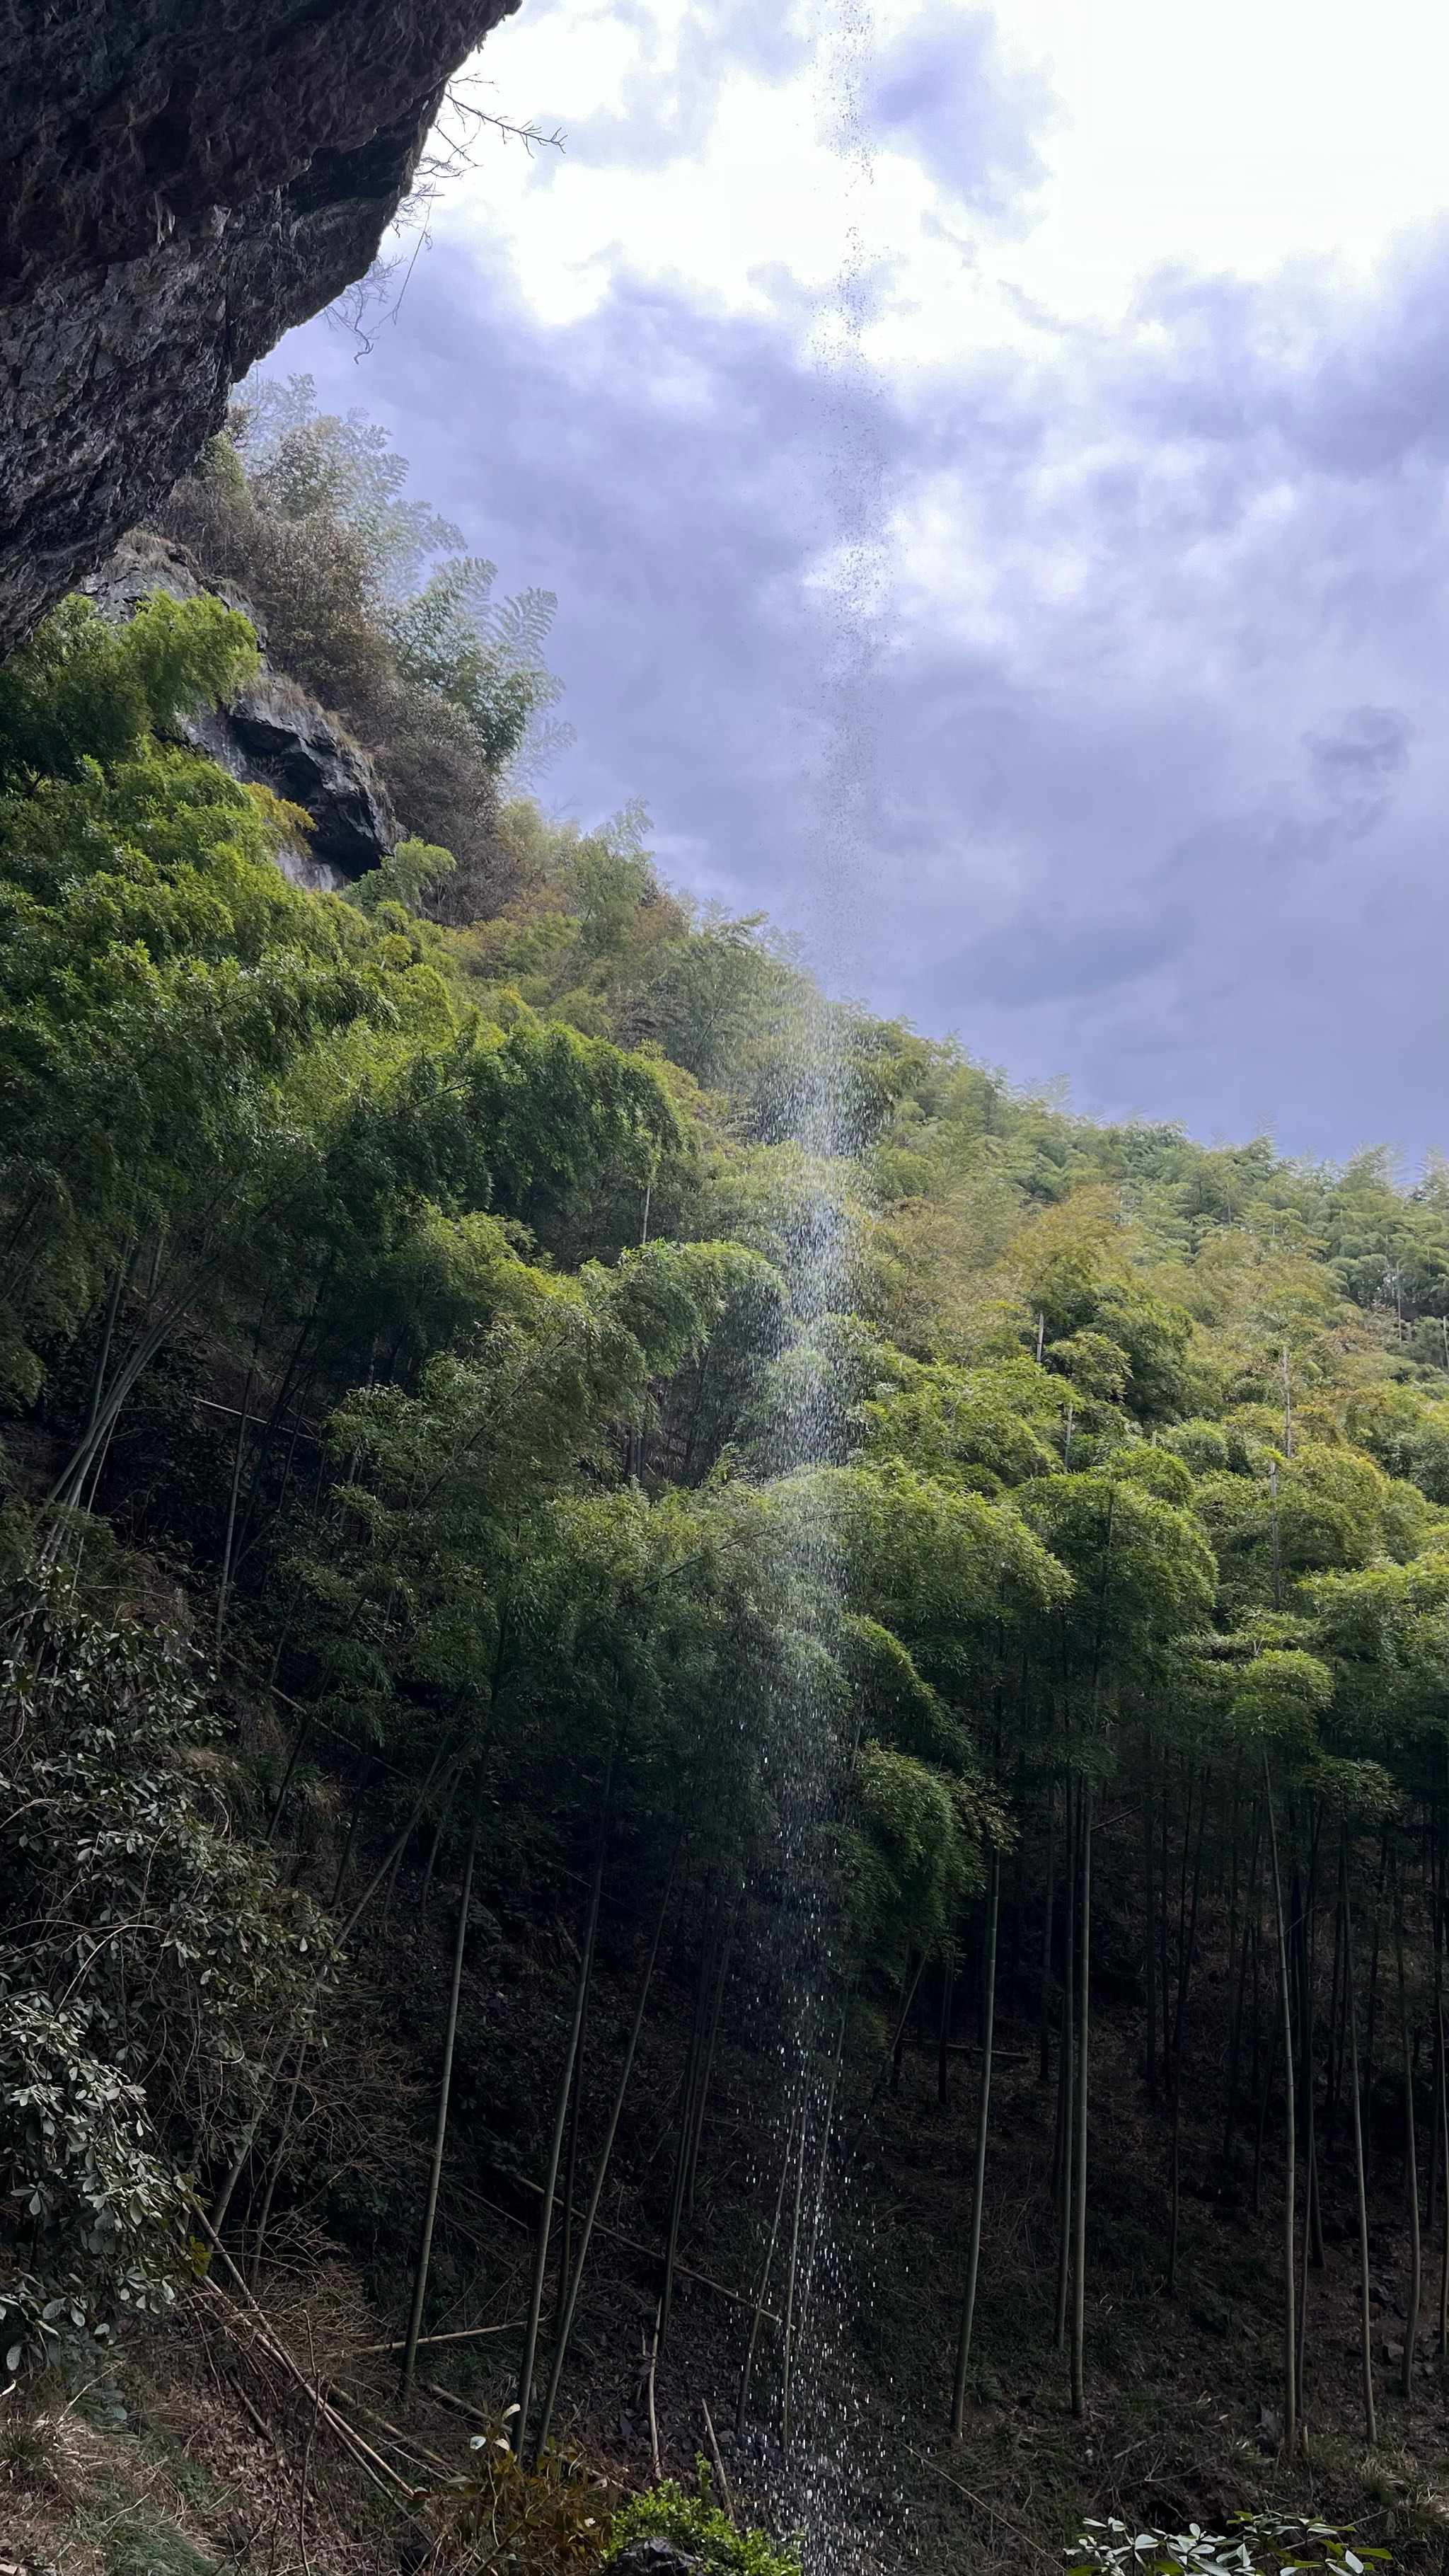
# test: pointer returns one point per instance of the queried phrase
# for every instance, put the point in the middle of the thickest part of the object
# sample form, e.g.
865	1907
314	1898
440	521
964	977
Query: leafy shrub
698	2525
146	1957
1261	2544
535	2521
366	600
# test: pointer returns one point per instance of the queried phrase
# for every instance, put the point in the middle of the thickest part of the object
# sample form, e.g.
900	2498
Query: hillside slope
622	1582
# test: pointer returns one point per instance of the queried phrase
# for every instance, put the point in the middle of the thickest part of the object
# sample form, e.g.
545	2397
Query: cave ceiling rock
179	185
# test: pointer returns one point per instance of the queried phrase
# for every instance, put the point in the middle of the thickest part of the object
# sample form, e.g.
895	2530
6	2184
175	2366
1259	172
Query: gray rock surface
276	733
655	2556
272	732
179	184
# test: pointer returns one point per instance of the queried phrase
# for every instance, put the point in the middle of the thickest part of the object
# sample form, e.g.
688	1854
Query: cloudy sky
992	464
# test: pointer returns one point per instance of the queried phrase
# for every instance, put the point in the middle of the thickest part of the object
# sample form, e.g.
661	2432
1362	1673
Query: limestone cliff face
180	182
272	731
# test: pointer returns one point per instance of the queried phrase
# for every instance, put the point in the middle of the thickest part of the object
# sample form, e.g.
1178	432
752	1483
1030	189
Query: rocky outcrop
276	733
178	186
272	732
655	2556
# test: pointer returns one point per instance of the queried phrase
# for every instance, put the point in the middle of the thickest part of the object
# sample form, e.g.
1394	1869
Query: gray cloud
940	90
1355	763
1149	816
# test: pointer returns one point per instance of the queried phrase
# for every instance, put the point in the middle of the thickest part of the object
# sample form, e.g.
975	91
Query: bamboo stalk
1290	2372
724	2484
303	2018
978	2189
1066	2084
1048	1929
545	2217
654	2459
1365	2319
445	2085
241	1439
571	2294
1079	2281
758	2317
790	2278
1411	2162
702	2104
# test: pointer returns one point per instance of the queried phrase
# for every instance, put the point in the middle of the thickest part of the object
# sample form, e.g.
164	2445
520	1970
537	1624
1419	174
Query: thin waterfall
814	2454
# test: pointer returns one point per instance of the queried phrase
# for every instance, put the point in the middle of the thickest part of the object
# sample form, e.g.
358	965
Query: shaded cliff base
226	2453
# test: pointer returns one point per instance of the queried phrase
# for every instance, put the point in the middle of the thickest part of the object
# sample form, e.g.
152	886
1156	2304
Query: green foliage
144	1955
1261	2544
148	2544
483	659
307	466
698	2524
552	1347
409	872
911	1855
81	691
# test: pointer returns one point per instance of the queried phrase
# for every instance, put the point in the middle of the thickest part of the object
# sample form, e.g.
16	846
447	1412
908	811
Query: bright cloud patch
993	472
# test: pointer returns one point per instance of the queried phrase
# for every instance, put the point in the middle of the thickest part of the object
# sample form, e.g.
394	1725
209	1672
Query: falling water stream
826	2472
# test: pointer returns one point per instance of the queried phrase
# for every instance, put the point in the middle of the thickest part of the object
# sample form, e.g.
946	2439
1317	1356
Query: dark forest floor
1183	2393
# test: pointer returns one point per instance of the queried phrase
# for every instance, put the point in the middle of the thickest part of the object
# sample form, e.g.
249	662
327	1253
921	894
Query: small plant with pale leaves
1260	2544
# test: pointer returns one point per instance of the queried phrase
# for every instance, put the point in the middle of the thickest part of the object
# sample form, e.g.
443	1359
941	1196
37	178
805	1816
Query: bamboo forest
725	1820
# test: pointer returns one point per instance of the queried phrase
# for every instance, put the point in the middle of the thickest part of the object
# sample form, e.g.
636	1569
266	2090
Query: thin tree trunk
978	2188
1182	1885
293	1757
712	2042
1164	1973
1442	2120
1335	1999
1312	2250
1373	1997
1411	2163
1184	1980
1066	2085
1048	1934
789	2351
255	2265
445	2086
103	1361
545	2215
138	1359
1013	1964
898	2033
655	2462
571	2295
339	1943
436	1845
1310	1952
1432	1875
1235	2045
1264	2097
822	2167
1149	1947
241	1441
278	1410
1079	2282
353	1821
1310	2181
688	2088
758	2318
570	2180
1290	2372
943	2038
898	2048
1365	2295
